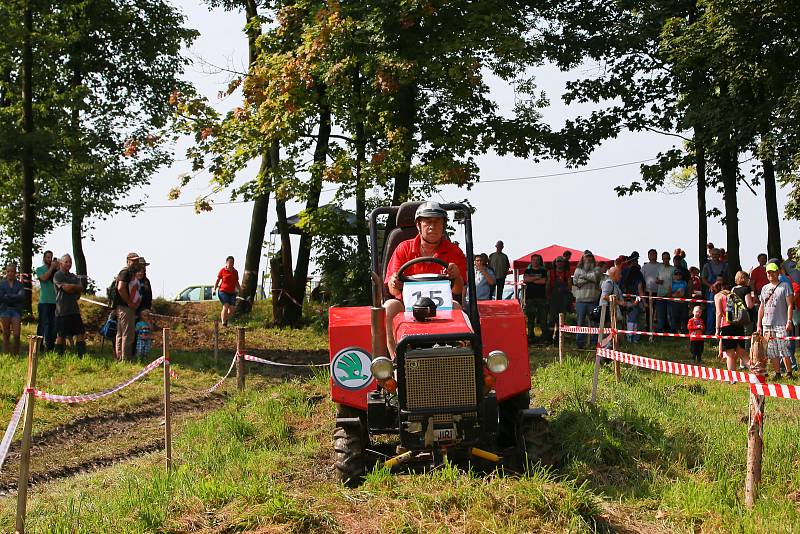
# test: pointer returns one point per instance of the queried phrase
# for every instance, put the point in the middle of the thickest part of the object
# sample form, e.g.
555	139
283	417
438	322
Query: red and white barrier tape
783	391
256	359
96	302
152	313
72	399
570	329
674	299
221	380
16	415
680	369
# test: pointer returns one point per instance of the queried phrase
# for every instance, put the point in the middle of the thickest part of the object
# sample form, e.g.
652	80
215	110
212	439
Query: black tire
349	445
509	409
535	443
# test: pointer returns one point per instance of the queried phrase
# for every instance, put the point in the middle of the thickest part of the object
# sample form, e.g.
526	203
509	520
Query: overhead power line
487	181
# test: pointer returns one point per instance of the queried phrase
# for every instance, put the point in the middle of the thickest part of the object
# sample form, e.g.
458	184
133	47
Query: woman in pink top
733	349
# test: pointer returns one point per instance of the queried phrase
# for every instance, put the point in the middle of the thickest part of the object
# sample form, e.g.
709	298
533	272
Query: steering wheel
424	277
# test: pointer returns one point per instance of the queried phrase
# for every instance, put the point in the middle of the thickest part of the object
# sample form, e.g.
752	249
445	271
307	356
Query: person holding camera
586	290
47	300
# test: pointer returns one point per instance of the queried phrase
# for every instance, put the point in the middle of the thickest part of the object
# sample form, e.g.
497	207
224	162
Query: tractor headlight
497	361
382	368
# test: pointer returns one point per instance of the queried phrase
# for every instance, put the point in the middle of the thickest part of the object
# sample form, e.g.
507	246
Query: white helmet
430	209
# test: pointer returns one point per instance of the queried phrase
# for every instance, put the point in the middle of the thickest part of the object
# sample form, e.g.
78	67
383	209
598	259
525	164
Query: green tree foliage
718	69
103	71
373	94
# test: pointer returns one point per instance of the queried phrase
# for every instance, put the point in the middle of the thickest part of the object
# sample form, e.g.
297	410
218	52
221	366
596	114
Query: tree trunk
28	184
258	219
76	226
407	115
284	292
702	210
361	156
295	312
773	219
729	174
255	241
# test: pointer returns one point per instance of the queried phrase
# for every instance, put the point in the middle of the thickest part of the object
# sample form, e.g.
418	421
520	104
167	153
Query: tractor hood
445	322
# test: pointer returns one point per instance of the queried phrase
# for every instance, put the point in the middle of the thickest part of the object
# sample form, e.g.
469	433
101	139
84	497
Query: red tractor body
459	379
502	328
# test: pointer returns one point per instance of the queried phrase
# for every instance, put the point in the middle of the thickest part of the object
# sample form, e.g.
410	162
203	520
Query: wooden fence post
598	358
560	338
167	405
34	343
240	358
614	341
650	310
755	428
216	341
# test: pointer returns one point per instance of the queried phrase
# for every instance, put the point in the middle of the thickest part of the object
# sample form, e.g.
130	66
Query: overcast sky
579	210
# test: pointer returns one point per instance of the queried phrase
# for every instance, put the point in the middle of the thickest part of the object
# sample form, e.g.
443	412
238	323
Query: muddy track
95	429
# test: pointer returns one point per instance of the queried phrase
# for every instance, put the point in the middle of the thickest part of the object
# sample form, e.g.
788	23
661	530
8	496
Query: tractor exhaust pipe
377	317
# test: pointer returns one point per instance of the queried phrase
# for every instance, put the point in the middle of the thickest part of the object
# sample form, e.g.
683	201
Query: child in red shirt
696	328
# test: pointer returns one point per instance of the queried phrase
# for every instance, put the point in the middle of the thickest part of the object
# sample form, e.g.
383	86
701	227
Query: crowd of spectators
735	304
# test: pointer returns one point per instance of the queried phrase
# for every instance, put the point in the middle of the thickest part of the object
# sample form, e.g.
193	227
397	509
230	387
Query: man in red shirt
758	275
431	220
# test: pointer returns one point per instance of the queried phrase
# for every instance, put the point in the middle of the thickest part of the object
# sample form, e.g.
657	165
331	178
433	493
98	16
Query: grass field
657	454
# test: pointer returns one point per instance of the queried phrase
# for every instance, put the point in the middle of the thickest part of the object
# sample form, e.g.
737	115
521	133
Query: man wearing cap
775	319
124	305
499	263
431	220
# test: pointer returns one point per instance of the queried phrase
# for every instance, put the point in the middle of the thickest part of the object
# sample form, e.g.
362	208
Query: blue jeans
661	315
47	325
711	314
584	310
632	318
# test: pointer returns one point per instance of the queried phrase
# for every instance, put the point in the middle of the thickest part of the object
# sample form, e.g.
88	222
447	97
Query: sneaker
789	376
776	376
744	368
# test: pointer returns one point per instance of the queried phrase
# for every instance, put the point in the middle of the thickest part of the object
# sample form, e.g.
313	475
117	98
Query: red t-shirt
759	278
696	327
229	280
410	249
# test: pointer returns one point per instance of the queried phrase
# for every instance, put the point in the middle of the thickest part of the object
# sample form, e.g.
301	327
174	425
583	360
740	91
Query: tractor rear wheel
350	443
535	443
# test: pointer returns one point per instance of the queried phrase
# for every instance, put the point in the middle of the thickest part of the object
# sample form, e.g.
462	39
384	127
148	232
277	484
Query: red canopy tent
549	254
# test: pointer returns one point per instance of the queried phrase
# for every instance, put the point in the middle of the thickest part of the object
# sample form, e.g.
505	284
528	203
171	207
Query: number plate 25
438	291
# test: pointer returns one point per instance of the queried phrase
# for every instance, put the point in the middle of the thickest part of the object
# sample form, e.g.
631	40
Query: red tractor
459	385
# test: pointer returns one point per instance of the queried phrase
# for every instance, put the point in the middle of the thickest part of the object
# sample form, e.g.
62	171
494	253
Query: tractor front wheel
535	442
349	443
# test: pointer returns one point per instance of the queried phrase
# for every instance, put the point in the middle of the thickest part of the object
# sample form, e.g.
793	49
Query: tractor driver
431	220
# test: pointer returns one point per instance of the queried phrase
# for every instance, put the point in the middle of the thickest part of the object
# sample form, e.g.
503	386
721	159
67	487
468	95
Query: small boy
696	327
144	336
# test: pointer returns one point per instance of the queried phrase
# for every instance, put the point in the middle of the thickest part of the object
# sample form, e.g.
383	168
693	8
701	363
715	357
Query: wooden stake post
560	338
240	358
167	405
614	341
25	454
755	428
598	358
650	312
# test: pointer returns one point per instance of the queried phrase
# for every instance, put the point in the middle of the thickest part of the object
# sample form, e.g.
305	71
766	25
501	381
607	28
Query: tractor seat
405	228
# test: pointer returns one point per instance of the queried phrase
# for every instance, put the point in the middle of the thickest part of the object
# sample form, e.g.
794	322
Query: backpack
109	328
736	312
112	295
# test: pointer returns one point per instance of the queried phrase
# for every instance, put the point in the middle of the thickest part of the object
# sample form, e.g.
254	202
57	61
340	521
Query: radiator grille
439	381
